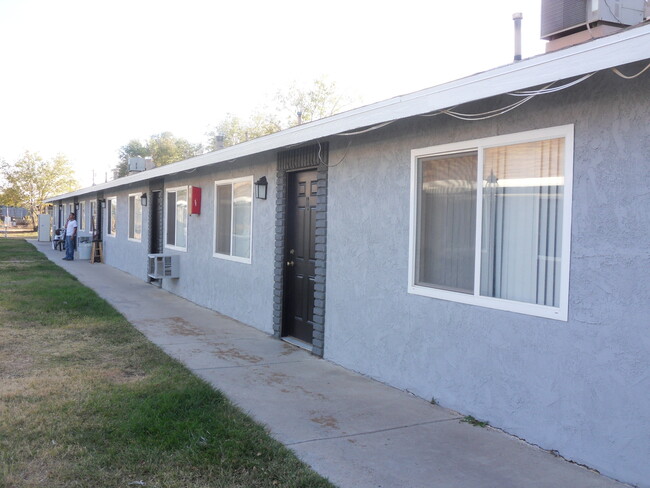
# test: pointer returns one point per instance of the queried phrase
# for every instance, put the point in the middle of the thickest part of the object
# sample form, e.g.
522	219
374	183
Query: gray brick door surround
306	157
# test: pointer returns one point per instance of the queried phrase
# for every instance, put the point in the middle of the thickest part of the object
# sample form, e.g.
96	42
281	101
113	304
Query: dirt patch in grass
87	401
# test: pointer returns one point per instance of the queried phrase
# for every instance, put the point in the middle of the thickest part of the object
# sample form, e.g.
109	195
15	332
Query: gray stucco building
484	243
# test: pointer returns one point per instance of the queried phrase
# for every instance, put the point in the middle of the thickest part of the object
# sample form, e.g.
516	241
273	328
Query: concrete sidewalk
353	430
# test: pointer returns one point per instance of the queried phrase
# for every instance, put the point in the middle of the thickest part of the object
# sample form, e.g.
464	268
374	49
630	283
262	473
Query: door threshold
298	343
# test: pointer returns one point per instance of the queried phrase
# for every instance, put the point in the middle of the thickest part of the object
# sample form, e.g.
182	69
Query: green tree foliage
31	180
163	148
236	130
321	100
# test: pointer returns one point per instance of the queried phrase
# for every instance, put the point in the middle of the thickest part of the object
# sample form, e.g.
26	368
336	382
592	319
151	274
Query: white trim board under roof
627	46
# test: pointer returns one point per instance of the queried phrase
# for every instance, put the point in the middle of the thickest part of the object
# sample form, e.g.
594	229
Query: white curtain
181	218
241	217
447	222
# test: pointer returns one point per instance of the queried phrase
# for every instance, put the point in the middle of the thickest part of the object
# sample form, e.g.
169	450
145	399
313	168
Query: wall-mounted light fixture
261	186
103	203
143	200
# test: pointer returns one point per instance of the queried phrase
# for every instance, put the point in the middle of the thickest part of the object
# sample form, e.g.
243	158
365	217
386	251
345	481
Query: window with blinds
233	219
176	218
490	222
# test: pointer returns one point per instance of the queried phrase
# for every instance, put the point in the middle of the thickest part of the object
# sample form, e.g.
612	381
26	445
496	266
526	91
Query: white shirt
70	227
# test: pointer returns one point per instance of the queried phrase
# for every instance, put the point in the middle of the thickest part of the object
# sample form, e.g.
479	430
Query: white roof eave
627	46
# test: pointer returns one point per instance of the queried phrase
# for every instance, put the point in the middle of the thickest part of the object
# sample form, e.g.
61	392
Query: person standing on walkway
70	234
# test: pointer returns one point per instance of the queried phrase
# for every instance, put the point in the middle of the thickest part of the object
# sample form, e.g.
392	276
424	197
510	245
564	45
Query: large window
490	222
176	218
135	217
111	216
233	219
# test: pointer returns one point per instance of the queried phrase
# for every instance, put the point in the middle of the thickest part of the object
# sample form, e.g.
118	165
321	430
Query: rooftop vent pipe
517	18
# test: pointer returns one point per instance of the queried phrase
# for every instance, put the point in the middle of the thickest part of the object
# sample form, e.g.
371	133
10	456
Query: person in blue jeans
70	234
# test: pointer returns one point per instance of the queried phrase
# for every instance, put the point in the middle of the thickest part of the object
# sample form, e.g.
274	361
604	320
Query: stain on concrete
276	378
287	349
233	353
180	326
326	421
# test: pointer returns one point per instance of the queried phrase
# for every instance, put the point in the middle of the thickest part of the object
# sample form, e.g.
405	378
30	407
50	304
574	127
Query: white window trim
108	213
557	313
166	210
128	217
230	257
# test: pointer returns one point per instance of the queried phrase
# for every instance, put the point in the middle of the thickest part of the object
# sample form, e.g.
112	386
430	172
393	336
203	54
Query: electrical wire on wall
631	77
347	149
547	89
345	154
526	94
374	127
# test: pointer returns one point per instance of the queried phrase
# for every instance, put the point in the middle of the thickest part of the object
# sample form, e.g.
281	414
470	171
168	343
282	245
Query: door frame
303	158
294	292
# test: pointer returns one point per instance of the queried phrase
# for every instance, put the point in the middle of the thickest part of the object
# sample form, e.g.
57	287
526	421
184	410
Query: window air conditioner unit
163	266
563	17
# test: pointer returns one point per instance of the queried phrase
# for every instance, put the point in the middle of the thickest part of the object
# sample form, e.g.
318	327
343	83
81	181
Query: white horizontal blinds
81	218
135	217
137	227
112	216
447	221
132	216
241	218
93	216
522	221
224	216
181	218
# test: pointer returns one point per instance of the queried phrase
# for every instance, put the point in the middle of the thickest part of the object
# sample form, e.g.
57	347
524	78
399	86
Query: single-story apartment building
484	244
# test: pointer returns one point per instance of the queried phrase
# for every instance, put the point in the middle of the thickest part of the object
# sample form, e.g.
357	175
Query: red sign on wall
195	200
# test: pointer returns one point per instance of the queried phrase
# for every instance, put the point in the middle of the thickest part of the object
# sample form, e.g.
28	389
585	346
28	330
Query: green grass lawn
87	401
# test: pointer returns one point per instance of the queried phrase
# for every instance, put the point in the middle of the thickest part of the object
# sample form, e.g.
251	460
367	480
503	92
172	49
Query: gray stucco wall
119	251
581	387
241	290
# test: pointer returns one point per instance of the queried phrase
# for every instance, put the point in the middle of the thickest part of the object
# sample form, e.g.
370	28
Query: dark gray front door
155	238
300	256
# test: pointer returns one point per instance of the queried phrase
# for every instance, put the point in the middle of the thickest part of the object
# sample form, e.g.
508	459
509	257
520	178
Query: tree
31	180
292	107
131	149
167	149
163	148
321	100
235	130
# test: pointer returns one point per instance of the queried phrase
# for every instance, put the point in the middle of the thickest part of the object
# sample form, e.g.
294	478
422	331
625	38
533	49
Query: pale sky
83	77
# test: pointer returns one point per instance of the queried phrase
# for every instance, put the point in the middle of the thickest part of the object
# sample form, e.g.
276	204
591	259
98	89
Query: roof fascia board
618	49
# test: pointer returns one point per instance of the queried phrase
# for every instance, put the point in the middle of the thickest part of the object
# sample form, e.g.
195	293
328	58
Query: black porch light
261	186
143	200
